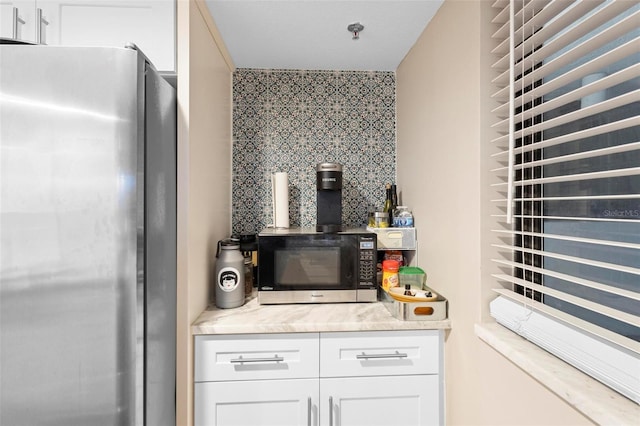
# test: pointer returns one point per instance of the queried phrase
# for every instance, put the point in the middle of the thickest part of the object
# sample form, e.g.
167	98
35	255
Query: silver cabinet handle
330	411
39	21
17	20
241	360
309	411
381	356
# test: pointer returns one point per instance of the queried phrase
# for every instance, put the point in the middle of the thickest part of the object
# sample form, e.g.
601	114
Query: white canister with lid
229	278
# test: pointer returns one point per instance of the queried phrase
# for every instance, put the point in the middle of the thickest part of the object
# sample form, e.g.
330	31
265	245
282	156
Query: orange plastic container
390	274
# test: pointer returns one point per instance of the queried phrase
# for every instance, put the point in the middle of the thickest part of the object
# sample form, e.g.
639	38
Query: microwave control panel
368	259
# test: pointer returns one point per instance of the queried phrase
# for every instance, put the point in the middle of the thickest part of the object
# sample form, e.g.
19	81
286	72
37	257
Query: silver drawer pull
381	356
241	360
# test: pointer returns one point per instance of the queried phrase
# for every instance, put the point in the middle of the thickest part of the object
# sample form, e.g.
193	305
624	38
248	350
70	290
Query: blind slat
618	101
604	83
539	12
631	171
575	280
576	53
503	16
583	197
543	49
626	123
584	303
503	31
610	57
547	235
597	86
574	259
566	277
572	157
613	219
581	155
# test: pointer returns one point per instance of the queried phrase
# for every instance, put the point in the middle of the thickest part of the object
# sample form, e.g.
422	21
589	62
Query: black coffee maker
329	202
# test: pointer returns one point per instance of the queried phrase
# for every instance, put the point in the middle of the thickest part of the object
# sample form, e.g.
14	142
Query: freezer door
160	225
69	233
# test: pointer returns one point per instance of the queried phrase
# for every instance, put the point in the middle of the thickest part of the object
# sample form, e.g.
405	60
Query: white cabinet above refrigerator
149	24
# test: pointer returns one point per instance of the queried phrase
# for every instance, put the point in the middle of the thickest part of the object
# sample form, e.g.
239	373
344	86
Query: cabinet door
150	24
380	401
17	19
258	402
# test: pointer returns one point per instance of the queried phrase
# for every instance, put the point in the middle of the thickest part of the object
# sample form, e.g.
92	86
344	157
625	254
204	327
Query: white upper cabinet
17	20
150	24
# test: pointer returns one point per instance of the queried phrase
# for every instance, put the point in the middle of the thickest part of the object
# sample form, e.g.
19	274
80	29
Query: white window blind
566	166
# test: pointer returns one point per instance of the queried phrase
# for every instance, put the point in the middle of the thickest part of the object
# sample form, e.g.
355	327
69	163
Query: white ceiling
312	34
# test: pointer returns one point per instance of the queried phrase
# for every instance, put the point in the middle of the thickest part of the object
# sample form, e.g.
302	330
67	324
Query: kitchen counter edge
305	318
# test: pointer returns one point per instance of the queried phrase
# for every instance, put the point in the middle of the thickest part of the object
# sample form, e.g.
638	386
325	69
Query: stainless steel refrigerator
88	238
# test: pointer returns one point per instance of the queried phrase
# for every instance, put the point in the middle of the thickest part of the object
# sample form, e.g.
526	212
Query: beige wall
442	116
204	177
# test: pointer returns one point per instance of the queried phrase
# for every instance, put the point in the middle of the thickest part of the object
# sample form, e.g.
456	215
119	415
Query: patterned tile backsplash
290	121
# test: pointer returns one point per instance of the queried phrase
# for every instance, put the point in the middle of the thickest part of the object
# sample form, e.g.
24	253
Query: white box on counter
395	238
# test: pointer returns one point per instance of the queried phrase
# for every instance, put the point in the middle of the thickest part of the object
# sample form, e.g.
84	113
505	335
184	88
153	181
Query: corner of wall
215	34
204	136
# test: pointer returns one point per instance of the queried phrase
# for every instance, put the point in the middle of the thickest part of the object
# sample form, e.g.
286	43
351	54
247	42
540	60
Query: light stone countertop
300	318
596	401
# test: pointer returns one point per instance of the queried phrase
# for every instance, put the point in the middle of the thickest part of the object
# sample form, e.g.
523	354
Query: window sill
594	400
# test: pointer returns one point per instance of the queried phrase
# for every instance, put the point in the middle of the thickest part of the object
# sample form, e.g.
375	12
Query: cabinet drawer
380	353
395	238
256	356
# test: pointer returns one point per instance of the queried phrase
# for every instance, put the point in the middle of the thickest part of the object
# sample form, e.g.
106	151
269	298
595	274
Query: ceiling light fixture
355	29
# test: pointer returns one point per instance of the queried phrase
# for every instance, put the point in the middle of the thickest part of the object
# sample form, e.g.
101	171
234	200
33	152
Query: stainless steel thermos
229	278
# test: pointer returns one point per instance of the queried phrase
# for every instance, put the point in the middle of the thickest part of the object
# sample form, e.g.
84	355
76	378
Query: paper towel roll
280	196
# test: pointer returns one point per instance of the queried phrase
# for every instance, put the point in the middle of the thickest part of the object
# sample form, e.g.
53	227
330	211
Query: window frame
528	306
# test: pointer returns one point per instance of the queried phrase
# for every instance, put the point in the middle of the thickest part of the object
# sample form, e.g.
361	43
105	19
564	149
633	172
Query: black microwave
301	265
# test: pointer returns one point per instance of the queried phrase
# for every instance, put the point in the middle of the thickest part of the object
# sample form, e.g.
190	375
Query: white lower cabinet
380	401
319	379
257	402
